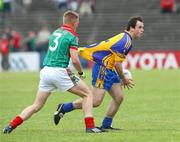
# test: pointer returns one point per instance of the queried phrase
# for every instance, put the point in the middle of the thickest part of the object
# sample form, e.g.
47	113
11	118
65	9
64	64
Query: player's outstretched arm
76	63
127	83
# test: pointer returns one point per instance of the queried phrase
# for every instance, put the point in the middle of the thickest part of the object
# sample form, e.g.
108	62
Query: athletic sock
107	122
89	121
16	122
67	107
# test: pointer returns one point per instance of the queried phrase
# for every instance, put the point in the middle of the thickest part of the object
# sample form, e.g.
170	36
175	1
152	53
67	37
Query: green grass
149	113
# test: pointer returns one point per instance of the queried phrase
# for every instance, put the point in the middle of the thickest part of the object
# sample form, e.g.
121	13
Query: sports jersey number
58	36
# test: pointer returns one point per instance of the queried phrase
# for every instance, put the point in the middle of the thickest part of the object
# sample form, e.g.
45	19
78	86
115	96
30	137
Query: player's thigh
98	94
41	97
81	89
116	91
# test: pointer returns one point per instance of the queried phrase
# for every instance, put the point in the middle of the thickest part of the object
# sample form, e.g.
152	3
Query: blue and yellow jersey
108	52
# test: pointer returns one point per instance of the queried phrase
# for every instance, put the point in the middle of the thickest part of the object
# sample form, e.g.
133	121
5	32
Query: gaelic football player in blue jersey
63	44
107	72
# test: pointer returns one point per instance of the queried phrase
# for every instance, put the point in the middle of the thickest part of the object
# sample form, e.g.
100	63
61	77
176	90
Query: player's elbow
75	61
117	64
96	103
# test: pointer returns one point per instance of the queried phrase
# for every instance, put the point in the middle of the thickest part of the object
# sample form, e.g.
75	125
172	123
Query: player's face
139	29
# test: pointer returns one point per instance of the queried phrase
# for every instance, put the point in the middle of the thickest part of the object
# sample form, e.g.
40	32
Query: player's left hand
127	83
80	49
81	75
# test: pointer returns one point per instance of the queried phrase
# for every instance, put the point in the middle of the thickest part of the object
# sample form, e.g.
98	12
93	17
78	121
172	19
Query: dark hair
132	22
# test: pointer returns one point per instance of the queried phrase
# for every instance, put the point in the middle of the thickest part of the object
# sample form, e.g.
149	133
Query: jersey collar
68	28
128	34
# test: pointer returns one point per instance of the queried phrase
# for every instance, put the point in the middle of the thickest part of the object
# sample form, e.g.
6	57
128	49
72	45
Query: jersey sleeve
123	46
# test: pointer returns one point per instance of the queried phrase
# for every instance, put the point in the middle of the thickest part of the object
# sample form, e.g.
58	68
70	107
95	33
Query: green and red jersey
60	43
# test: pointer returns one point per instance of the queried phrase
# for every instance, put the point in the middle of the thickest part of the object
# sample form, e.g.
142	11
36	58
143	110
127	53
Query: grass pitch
149	113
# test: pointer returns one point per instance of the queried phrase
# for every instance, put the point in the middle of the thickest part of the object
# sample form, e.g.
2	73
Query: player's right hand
127	83
81	75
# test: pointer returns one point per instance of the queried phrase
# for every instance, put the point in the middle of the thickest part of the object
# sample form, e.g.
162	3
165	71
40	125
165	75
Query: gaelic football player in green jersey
63	44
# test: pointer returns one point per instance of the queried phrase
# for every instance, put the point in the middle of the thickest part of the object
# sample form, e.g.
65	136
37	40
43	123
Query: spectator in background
4	50
178	6
42	40
7	6
73	5
167	6
8	32
62	4
16	41
93	5
14	38
30	41
85	8
9	35
27	4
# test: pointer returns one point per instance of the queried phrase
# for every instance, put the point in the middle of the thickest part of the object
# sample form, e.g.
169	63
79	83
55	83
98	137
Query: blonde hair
70	16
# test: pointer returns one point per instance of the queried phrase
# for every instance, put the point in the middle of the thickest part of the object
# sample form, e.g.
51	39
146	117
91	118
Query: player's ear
132	29
74	23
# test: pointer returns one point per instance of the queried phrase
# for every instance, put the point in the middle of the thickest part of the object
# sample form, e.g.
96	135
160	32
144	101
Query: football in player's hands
127	74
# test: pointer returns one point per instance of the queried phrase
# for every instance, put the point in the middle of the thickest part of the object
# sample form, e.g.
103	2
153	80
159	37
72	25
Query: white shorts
52	78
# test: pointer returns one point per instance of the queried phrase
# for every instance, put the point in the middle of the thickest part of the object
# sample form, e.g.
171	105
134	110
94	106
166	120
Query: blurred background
25	27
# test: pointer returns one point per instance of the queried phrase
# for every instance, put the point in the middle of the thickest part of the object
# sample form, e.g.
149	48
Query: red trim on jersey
68	28
74	47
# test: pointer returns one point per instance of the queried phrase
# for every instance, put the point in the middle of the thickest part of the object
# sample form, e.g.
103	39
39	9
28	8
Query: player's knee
96	103
119	99
88	93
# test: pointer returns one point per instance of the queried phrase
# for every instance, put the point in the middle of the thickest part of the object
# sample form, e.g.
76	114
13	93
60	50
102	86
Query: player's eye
141	27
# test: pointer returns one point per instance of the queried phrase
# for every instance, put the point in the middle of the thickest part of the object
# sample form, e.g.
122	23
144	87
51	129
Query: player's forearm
77	65
75	60
119	69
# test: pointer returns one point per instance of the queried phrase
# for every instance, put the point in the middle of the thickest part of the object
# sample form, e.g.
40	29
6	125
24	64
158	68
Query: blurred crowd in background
82	6
13	41
170	6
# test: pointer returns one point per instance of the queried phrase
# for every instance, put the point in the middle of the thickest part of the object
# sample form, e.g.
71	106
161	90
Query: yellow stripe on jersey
106	60
87	53
100	79
128	43
119	57
99	83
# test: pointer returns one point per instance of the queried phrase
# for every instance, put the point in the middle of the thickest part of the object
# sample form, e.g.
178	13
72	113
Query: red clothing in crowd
167	5
4	48
16	40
